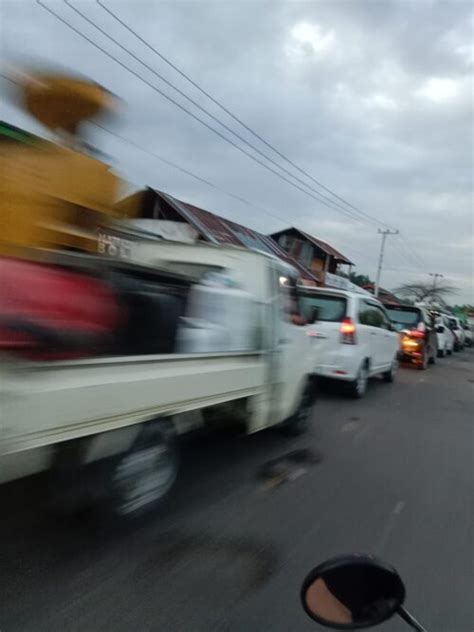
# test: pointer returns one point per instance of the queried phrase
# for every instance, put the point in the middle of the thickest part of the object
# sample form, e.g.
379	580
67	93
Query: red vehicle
416	327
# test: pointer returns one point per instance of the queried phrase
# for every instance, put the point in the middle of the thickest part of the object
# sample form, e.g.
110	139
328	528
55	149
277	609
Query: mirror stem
406	616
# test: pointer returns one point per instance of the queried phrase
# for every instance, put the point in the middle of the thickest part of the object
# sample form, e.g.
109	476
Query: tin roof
319	243
384	295
219	230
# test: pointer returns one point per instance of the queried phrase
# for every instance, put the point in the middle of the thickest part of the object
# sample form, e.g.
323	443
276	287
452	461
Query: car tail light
348	332
416	333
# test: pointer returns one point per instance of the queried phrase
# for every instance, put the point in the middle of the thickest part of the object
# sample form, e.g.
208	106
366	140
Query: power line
179	168
231	114
193	175
403	253
190	173
17	83
173	164
318	197
202	109
414	254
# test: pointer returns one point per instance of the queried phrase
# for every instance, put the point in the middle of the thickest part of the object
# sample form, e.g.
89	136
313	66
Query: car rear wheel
423	363
389	376
358	387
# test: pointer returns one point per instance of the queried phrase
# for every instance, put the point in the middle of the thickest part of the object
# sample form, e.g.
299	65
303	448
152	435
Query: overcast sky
374	99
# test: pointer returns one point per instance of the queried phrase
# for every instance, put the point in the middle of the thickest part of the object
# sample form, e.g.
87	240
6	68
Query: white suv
352	335
459	334
445	336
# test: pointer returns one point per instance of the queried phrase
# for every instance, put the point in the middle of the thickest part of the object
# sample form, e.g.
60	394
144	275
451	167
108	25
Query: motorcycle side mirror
353	592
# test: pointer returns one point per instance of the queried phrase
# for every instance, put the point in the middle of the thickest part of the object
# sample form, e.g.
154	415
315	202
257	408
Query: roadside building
317	256
152	204
384	295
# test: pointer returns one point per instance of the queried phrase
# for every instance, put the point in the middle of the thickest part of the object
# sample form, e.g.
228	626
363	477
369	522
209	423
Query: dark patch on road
350	426
229	568
287	467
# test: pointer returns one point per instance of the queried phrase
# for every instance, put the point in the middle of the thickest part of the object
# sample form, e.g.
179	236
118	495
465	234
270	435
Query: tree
357	279
426	291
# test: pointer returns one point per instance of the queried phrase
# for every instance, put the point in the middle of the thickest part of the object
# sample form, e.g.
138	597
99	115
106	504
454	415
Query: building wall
317	265
304	252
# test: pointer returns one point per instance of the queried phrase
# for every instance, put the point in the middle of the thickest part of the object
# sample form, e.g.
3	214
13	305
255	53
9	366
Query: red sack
47	312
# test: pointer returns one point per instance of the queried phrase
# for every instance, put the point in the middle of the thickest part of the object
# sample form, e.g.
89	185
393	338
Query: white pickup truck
106	426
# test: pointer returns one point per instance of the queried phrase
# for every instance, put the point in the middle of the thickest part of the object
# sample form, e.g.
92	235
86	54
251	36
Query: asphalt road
392	474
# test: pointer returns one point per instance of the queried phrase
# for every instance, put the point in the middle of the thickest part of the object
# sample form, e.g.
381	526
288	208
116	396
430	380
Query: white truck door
292	357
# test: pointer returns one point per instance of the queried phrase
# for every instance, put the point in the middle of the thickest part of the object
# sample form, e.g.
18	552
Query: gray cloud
375	99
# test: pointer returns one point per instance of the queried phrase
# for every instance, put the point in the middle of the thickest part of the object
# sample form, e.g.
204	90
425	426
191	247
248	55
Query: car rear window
403	316
330	308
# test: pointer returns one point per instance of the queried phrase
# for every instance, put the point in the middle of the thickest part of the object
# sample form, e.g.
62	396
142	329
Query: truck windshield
404	316
330	308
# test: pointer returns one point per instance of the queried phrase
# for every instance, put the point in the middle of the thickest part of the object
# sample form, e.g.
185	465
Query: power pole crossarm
384	234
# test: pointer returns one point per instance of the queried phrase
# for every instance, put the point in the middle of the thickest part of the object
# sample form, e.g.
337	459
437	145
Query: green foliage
357	279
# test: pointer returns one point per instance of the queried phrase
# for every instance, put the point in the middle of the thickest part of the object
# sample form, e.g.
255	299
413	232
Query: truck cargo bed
42	404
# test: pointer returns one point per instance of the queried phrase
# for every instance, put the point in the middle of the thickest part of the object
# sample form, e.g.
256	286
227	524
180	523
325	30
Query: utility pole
435	276
384	234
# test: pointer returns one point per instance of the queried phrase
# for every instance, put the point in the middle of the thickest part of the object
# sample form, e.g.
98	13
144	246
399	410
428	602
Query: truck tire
298	423
138	480
68	488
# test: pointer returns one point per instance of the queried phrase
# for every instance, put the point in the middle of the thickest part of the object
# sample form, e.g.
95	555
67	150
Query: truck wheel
298	422
139	479
68	489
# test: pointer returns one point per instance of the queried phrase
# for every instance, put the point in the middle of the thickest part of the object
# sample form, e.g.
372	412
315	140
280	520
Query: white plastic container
200	336
219	301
